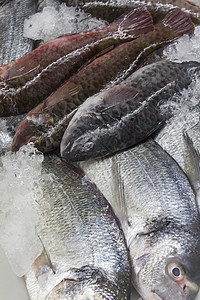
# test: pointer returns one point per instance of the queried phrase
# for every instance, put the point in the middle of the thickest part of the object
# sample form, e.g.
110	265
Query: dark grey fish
128	113
110	9
85	255
159	215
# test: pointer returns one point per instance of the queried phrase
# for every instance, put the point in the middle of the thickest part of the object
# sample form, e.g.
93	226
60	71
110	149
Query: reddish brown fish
46	124
30	79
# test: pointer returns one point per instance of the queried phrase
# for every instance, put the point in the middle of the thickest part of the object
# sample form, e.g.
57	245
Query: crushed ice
185	48
52	22
19	189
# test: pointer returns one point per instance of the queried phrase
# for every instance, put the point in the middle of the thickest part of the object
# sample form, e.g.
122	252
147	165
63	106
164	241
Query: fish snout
24	135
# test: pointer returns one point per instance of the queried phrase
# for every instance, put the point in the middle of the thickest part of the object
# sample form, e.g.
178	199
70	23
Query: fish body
30	79
45	125
109	10
126	114
157	208
85	255
12	16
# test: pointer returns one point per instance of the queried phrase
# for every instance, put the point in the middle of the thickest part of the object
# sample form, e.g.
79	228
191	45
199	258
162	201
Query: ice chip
185	48
20	173
52	22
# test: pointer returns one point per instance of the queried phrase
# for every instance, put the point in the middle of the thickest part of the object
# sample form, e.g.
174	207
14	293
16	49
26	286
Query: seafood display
85	255
45	124
159	215
30	79
100	180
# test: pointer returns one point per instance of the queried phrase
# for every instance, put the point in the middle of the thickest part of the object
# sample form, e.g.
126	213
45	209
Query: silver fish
12	16
85	256
158	212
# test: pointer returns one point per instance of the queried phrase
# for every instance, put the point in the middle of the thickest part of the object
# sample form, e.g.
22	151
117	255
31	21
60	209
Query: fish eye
34	140
87	146
175	271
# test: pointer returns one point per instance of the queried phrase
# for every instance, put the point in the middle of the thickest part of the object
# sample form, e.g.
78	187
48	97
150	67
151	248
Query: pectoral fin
117	96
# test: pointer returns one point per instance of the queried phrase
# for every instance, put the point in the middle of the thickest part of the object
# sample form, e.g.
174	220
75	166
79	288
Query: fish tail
179	22
135	23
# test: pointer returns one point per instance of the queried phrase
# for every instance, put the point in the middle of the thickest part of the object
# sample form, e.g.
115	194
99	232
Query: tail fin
134	23
178	22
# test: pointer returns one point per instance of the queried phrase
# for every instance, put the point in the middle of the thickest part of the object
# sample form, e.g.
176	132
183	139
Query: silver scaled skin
158	212
85	255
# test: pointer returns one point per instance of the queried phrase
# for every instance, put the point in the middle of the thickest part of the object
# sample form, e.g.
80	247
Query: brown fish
46	124
30	79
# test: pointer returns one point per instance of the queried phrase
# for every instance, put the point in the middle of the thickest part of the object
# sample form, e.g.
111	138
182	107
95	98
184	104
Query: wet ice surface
14	288
55	20
20	172
185	49
187	117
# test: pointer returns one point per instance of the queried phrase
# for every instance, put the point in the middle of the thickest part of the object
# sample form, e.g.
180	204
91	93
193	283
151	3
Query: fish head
165	275
27	132
80	146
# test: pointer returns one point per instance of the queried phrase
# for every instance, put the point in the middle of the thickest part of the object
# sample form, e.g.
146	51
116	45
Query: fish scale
95	76
30	79
82	237
12	16
157	208
109	10
128	113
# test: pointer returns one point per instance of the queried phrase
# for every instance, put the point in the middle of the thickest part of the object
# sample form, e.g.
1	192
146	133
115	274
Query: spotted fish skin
109	10
45	125
87	253
30	79
158	210
128	113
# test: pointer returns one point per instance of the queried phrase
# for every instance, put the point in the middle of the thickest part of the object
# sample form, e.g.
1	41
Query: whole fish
85	255
45	125
159	215
128	113
12	16
110	9
30	79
